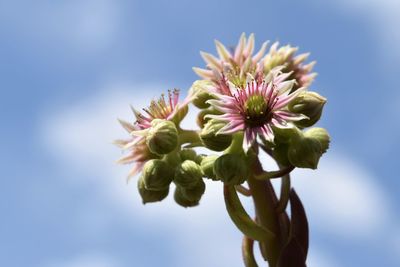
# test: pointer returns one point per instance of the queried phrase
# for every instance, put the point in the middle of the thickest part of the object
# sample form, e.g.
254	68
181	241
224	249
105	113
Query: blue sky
69	69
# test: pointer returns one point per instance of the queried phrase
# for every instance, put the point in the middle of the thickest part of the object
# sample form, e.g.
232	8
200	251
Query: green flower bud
199	158
309	104
201	117
232	169
188	154
280	154
194	194
188	174
162	137
150	195
181	199
305	152
321	135
283	135
207	166
201	93
157	175
211	139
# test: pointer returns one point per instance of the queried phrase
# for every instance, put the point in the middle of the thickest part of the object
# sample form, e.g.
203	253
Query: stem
275	174
243	190
247	252
188	136
285	193
265	202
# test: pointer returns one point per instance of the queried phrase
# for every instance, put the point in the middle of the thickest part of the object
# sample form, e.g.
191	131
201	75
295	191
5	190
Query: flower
160	109
285	56
258	107
139	152
235	65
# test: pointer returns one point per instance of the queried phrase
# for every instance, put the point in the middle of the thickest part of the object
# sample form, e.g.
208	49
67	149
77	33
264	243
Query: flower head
235	65
258	107
139	152
285	56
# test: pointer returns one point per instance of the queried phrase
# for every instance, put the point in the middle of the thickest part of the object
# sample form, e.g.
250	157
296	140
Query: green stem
247	252
285	192
265	203
188	136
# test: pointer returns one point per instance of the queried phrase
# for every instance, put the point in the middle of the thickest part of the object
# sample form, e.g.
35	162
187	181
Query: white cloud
90	260
383	16
339	197
87	25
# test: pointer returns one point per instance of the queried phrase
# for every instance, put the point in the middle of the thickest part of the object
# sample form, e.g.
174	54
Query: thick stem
247	252
265	203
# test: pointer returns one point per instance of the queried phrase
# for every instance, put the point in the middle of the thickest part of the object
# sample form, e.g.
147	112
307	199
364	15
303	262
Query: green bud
195	193
306	151
280	154
309	104
157	175
162	137
181	199
188	174
321	135
283	135
232	169
201	117
211	139
199	158
150	195
207	166
201	93
188	154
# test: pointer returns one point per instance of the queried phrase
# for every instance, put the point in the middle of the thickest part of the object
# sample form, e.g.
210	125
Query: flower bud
309	104
181	199
157	175
201	119
162	137
232	169
210	137
283	135
188	154
280	154
188	174
150	195
195	193
200	91
306	151
207	166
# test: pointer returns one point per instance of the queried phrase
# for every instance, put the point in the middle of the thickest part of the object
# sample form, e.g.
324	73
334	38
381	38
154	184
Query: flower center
257	112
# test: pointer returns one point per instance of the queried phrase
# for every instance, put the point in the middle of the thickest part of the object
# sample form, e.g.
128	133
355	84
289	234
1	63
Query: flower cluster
246	100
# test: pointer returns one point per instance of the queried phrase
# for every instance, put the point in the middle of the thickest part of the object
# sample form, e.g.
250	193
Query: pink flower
139	153
258	107
160	109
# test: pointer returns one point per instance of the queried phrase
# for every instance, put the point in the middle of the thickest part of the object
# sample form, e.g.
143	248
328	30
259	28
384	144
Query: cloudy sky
69	69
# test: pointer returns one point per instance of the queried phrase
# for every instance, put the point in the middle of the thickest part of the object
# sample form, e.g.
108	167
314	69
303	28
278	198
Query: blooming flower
160	109
139	152
234	65
258	107
285	55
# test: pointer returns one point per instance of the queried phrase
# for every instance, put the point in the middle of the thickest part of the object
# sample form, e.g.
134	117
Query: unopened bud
210	137
201	116
188	154
201	93
181	199
195	193
207	166
157	175
162	137
309	104
151	195
188	174
232	169
306	151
